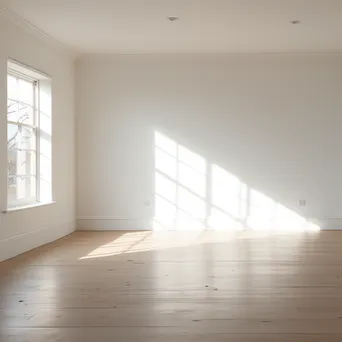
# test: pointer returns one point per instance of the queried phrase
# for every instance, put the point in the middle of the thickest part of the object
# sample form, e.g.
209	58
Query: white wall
24	230
273	120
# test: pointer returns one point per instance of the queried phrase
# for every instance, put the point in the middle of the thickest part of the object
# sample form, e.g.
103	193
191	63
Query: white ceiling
205	26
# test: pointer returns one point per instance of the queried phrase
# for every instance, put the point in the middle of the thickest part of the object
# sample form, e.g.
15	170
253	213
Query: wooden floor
175	286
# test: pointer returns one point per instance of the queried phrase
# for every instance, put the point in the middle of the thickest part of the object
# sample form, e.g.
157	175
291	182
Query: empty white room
170	170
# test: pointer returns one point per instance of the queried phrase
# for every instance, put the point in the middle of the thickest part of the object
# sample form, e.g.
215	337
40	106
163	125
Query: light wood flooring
175	286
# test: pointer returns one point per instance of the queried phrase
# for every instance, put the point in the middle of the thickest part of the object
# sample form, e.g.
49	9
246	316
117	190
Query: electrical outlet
302	202
147	203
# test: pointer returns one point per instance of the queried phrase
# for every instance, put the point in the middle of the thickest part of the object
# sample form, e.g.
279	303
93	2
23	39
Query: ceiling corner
37	32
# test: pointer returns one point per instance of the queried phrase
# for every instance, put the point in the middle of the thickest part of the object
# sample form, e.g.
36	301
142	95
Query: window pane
13	136
25	89
19	112
21	188
12	108
28	141
20	137
12	88
12	165
21	163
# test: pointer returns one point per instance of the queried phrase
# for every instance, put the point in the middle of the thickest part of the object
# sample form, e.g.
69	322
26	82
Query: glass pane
19	112
12	163
12	136
28	141
12	107
20	137
26	91
21	163
12	88
21	188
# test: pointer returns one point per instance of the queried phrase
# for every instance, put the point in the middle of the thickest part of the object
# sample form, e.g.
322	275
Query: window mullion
176	220
20	124
208	194
36	113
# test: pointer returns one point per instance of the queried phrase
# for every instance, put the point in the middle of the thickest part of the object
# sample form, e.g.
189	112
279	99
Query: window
28	142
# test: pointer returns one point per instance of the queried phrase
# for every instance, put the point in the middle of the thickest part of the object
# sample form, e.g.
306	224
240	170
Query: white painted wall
273	120
24	230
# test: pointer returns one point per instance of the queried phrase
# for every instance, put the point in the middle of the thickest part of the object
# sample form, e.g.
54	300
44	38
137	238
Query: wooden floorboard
175	286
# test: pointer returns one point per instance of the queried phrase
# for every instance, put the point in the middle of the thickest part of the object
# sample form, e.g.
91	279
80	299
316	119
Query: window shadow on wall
191	193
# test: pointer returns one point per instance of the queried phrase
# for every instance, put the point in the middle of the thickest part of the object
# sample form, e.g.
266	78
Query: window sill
25	207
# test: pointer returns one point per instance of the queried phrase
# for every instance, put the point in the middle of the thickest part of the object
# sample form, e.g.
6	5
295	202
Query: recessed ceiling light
172	18
295	22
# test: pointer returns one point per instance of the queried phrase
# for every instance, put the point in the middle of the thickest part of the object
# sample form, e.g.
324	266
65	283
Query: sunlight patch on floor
135	242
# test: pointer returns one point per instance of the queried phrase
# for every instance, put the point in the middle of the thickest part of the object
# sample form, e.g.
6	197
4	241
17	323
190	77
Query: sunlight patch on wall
193	194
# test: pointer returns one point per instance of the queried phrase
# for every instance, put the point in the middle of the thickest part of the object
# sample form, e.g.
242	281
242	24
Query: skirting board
90	223
109	223
331	223
22	243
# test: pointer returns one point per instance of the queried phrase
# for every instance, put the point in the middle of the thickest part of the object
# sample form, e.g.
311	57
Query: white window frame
36	130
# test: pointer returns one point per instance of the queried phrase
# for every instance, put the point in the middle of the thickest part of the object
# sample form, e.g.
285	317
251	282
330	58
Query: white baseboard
98	223
331	223
111	223
19	244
